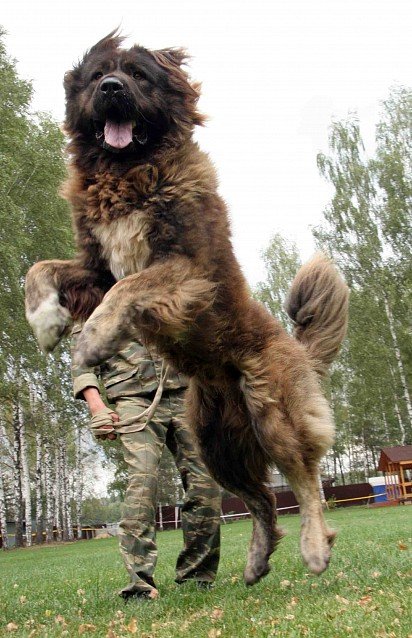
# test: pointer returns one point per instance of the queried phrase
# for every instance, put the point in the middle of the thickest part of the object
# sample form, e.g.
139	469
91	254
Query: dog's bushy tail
318	304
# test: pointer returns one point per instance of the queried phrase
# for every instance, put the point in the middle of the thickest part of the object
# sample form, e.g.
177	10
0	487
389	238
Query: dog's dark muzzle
111	85
113	100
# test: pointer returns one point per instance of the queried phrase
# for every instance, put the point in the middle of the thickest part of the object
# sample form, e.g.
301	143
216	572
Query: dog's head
128	101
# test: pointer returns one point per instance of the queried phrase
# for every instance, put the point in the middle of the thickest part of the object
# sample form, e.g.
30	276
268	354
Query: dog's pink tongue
118	135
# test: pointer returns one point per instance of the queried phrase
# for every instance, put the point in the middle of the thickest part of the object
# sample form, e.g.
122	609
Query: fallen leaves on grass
293	602
86	628
342	600
60	620
216	614
23	599
364	601
402	546
132	626
214	633
12	626
285	583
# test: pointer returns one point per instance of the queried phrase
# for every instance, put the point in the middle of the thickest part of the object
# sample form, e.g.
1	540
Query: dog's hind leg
261	503
316	538
235	459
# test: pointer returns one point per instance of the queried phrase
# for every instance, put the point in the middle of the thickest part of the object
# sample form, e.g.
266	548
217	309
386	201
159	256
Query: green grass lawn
71	589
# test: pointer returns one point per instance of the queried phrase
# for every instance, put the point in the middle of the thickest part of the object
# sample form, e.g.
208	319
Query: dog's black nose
111	84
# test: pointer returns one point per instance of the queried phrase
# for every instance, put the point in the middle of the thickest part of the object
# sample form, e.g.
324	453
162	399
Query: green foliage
34	224
281	259
367	229
98	511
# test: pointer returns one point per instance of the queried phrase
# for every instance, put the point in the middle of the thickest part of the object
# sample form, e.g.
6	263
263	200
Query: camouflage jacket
134	371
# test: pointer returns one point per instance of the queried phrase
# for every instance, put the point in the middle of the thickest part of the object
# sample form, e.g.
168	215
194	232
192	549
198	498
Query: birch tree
3	519
367	228
34	224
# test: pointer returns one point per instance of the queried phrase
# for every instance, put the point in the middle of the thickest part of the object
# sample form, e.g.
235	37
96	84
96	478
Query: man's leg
142	453
199	558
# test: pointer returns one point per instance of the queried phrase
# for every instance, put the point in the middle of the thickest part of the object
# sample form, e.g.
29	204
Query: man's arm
96	404
86	387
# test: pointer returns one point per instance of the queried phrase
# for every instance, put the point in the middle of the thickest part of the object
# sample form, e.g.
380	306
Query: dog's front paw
50	321
102	337
91	352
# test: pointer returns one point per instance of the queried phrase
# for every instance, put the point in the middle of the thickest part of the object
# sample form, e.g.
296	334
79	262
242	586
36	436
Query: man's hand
96	405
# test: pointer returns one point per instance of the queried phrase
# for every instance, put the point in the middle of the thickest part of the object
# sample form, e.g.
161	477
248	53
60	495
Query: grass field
71	589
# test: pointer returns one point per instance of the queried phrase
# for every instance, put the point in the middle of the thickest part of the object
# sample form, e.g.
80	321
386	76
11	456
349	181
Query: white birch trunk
3	521
39	495
341	470
397	410
17	473
66	510
399	362
78	483
63	492
5	445
57	493
365	460
48	485
25	481
34	404
385	422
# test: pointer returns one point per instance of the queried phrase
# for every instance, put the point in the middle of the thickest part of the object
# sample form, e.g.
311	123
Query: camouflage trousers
200	513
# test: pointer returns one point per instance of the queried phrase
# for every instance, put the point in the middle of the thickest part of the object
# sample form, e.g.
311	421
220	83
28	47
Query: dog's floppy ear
173	55
172	60
70	81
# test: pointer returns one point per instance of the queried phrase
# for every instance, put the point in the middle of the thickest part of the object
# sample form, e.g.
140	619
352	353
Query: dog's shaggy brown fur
147	215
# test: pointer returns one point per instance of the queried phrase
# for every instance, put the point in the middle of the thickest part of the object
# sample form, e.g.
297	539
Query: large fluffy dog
147	215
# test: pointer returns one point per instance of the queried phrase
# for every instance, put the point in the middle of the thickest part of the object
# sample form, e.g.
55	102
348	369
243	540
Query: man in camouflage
131	380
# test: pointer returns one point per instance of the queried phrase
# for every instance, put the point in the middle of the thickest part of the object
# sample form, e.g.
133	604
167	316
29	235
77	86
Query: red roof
394	455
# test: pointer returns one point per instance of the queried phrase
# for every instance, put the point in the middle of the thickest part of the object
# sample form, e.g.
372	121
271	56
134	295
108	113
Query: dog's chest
124	243
118	214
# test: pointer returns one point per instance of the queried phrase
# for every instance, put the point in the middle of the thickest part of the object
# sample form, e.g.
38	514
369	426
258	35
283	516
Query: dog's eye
138	75
97	75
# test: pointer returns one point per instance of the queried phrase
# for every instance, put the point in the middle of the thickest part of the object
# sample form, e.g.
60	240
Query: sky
274	75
